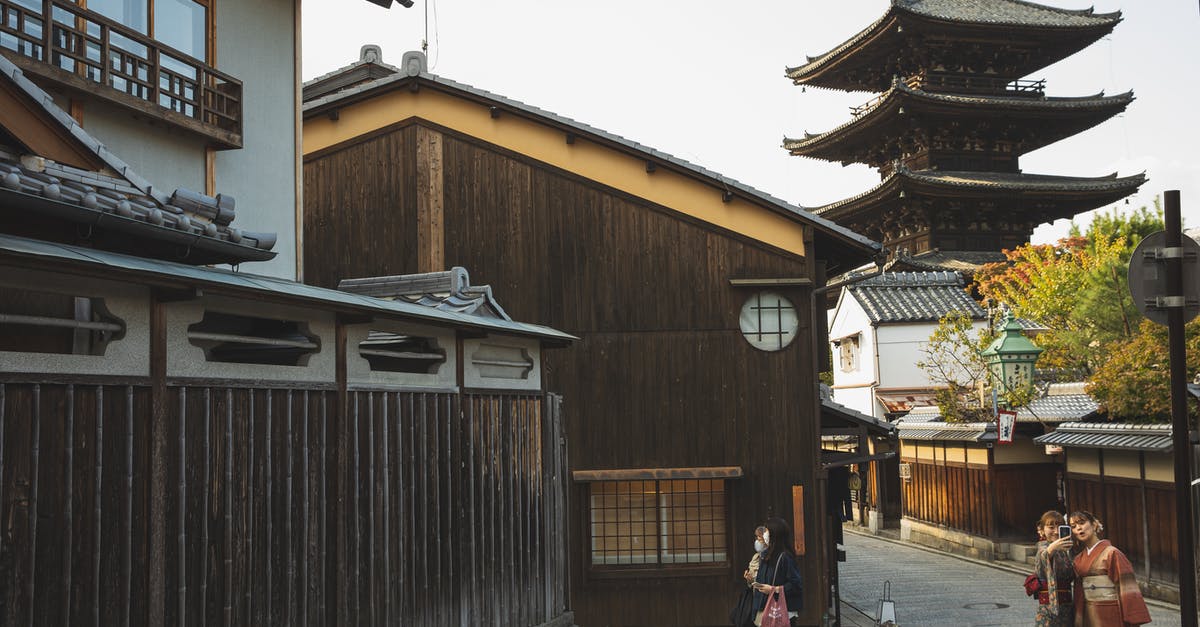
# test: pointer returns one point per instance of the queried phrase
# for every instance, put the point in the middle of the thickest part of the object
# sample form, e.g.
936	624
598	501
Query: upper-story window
180	24
139	51
848	351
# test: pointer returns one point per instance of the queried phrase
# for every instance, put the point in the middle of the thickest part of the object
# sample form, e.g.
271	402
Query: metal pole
1179	417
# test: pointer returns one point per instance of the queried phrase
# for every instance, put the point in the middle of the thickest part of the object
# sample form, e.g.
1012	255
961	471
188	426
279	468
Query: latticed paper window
768	321
658	522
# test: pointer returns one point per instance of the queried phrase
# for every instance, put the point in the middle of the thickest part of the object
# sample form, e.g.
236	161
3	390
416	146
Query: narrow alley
931	588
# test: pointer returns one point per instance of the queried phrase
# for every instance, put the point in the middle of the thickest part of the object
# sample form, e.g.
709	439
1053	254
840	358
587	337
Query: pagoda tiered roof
1014	38
1047	197
875	135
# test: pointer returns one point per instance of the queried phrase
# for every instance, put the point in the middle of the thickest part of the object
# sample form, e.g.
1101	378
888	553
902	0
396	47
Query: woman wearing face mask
759	546
1106	594
778	572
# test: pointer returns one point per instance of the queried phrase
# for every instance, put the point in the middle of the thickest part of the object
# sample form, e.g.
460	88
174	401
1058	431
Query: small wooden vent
393	352
232	338
44	322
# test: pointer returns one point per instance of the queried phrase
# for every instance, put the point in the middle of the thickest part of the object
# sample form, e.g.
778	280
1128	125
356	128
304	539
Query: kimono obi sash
1099	588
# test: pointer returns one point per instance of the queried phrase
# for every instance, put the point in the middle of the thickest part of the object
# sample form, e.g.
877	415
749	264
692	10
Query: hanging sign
1006	423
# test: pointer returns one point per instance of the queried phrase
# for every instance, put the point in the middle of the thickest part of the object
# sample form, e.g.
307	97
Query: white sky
703	80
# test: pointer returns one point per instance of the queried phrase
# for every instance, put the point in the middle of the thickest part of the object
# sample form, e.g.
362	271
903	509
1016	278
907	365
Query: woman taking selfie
1106	594
1055	572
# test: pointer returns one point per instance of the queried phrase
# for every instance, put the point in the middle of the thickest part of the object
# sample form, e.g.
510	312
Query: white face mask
759	546
767	537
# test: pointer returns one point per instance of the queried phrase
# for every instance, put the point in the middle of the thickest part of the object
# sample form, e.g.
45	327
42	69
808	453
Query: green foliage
1077	287
1133	384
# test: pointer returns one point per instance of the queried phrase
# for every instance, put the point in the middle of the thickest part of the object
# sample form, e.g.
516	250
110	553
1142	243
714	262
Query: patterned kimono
1106	594
1058	574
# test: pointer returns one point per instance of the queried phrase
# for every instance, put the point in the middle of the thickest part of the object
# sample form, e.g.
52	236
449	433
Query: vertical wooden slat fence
451	508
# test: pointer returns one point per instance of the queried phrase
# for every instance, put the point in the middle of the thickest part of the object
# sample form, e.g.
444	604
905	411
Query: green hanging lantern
1011	358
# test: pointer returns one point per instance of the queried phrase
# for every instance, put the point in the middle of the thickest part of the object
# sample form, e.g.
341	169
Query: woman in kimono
1106	594
1055	574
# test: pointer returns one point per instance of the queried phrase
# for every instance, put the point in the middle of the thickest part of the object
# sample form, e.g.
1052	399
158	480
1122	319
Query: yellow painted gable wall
547	144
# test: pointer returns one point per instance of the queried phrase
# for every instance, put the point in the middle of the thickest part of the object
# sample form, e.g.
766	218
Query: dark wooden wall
269	506
1138	517
662	376
1001	501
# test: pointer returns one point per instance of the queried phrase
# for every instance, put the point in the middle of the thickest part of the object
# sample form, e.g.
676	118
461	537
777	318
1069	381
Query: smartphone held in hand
1064	531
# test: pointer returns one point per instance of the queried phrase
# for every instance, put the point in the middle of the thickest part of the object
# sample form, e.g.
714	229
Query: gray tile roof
976	12
1059	408
118	198
115	265
947	431
961	261
1009	12
1110	435
450	290
914	297
825	229
926	413
902	93
1028	184
836	412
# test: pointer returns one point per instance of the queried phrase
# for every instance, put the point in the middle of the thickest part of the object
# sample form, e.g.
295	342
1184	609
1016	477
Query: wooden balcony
57	41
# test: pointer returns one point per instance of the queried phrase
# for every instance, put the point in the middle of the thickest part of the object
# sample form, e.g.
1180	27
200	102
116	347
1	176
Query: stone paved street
934	588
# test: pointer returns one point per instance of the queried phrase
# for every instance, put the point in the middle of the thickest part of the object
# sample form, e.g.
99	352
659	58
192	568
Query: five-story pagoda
954	116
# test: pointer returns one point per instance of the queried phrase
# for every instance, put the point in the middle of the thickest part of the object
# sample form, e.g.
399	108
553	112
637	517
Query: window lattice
654	523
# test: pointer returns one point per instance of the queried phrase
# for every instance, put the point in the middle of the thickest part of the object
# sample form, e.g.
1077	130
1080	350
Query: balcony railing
83	48
963	85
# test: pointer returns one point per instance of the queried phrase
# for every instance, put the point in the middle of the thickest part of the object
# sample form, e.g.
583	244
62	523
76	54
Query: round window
769	321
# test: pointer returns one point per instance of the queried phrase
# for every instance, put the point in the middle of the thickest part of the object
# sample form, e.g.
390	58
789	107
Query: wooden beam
645	474
39	133
430	217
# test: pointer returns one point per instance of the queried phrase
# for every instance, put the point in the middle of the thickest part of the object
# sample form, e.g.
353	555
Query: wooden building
181	444
966	492
953	115
692	406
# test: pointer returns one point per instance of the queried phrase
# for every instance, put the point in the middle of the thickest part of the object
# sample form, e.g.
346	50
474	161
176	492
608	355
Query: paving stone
935	588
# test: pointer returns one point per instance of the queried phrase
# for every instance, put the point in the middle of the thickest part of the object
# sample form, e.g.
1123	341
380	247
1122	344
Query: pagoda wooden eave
895	44
1039	197
893	113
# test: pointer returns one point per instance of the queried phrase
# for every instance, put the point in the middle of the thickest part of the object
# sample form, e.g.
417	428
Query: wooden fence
277	505
988	501
1139	519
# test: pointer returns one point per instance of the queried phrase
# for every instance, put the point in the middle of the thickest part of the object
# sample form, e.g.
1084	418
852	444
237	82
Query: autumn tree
1076	287
1133	383
951	359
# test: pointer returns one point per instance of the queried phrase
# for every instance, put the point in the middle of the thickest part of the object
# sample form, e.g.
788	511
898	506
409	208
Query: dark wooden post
156	517
1179	418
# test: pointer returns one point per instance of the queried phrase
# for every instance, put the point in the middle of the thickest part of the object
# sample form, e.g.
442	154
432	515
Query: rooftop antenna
425	41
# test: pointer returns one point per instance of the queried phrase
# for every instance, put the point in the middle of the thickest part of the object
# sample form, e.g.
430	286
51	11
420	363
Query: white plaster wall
474	378
900	348
854	389
187	360
168	157
358	369
128	356
256	44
